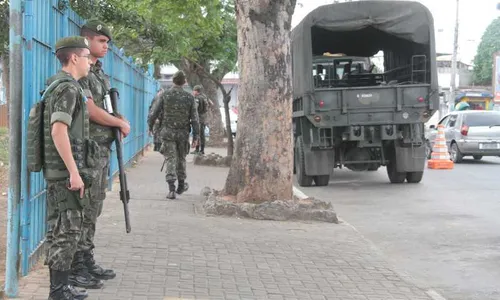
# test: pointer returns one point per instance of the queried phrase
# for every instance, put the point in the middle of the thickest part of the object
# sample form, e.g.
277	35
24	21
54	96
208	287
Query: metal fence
44	22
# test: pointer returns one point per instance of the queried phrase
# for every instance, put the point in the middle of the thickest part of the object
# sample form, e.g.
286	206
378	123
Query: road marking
435	295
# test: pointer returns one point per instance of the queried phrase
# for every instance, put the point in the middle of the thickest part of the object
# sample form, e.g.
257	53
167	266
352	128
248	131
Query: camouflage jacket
96	86
178	110
202	107
65	104
157	123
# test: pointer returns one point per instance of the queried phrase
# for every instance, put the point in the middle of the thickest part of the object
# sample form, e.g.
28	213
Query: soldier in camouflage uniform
202	104
157	124
85	272
179	117
67	172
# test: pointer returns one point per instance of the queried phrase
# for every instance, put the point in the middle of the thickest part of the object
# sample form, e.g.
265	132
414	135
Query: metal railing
44	22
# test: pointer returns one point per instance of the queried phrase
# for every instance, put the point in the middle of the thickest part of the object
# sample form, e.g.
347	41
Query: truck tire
294	160
300	167
414	177
394	175
322	180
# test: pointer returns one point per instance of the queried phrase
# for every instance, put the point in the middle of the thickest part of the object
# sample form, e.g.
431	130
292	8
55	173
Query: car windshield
486	119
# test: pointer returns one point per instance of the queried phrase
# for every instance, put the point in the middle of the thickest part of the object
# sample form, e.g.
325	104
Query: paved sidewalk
175	253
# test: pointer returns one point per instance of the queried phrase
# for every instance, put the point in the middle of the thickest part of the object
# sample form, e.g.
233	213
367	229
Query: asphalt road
443	232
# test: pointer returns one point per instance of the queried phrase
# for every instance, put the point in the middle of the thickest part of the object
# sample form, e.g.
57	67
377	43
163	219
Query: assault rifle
112	108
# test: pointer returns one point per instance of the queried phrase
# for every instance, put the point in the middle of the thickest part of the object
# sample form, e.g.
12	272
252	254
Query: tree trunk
230	142
214	117
157	70
261	168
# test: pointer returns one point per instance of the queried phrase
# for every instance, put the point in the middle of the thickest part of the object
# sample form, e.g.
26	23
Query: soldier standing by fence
179	117
66	170
85	271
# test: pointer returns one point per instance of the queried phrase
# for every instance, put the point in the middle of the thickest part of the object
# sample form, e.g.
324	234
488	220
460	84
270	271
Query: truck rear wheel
300	167
414	177
392	172
395	176
322	180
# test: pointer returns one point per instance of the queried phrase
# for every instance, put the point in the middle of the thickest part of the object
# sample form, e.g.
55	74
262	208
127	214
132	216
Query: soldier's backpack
202	105
35	145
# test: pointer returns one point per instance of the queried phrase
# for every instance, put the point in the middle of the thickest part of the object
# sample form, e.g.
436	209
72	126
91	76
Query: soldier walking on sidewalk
179	117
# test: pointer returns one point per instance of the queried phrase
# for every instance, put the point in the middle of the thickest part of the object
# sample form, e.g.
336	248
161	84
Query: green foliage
4	145
483	61
161	32
4	27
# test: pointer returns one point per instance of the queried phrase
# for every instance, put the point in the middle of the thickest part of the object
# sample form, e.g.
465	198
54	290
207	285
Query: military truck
347	112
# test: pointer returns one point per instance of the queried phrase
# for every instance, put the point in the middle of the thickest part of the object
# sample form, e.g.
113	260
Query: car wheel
455	154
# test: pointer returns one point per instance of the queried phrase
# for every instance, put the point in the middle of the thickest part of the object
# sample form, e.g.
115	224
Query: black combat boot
77	294
196	151
95	270
80	275
202	151
183	186
59	288
171	190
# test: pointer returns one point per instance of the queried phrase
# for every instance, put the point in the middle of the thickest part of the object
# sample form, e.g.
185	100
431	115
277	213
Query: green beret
198	88
179	75
98	27
72	42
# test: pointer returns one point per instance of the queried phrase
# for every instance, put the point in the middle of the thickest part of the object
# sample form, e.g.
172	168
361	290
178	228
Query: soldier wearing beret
85	271
179	115
66	122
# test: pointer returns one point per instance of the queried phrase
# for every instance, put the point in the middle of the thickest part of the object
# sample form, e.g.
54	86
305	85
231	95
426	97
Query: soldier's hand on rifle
76	183
125	127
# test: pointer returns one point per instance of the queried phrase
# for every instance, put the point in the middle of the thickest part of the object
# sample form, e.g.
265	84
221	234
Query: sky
474	17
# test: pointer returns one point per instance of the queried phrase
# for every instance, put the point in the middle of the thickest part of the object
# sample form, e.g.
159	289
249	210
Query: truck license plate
489	146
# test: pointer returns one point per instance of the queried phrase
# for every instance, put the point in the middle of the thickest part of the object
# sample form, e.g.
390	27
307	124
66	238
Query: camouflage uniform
85	272
65	104
179	113
157	125
202	107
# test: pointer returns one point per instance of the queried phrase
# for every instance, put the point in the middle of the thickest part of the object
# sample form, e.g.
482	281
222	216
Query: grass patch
4	145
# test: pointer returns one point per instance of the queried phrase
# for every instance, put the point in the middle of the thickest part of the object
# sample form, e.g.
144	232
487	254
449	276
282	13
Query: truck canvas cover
362	28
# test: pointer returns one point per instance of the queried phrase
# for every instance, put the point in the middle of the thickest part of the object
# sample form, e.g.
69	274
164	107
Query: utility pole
454	61
15	133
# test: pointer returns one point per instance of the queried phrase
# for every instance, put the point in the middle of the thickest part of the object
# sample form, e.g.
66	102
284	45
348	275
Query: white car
232	116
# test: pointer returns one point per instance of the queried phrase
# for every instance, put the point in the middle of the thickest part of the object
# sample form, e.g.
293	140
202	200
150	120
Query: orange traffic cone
440	157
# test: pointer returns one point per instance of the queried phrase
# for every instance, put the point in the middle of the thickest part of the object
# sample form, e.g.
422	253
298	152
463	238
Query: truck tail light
420	99
464	130
321	103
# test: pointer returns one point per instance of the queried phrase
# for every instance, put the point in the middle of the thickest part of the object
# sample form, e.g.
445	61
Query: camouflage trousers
175	152
202	134
65	224
97	196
